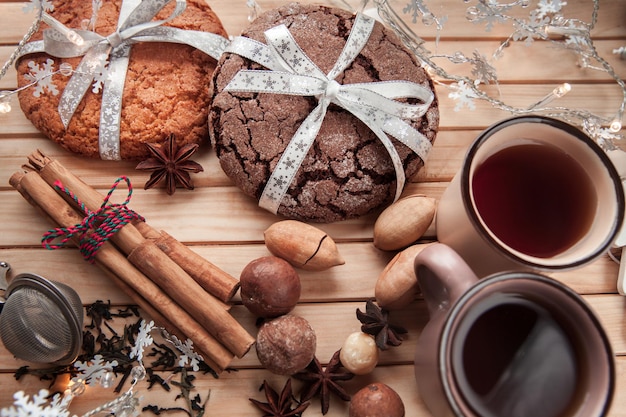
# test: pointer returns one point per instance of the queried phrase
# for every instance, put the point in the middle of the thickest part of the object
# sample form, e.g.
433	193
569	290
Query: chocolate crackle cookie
347	170
162	92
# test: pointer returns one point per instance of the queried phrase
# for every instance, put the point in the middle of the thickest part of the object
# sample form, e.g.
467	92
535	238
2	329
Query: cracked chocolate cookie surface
347	172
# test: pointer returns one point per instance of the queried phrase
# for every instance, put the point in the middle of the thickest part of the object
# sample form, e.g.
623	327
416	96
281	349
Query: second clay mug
514	344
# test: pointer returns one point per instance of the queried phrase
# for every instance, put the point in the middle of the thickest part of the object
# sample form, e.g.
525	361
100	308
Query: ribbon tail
255	51
111	108
391	150
357	39
126	9
409	136
30	48
145	11
291	159
80	82
388	115
209	43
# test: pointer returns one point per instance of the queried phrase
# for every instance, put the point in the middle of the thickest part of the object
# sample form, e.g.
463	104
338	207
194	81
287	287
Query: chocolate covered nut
286	345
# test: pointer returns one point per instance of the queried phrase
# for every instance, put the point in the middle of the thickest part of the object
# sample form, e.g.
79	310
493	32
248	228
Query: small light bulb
138	373
615	126
558	92
75	38
561	90
621	51
106	380
70	34
75	388
472	13
5	102
5	107
66	69
428	19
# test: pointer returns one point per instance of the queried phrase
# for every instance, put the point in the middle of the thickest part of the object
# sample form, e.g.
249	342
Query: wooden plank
363	260
234	17
602	100
224	400
245	382
543	63
334	321
443	162
222	225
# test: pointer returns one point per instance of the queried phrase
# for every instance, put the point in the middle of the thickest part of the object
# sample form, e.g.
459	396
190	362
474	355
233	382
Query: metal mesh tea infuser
41	320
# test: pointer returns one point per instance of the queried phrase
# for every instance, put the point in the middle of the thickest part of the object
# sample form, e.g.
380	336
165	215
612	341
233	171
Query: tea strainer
40	320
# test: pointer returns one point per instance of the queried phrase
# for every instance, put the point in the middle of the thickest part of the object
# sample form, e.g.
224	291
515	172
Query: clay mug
513	344
533	193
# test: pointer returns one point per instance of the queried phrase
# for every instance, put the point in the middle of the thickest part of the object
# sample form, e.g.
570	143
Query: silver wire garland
491	11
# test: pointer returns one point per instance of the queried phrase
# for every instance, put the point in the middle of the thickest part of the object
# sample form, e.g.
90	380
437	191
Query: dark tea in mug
512	357
535	198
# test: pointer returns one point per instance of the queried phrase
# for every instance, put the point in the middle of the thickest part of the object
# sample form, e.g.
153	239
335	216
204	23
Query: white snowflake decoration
46	5
464	96
93	371
482	70
189	356
101	76
546	8
482	14
42	77
144	339
37	406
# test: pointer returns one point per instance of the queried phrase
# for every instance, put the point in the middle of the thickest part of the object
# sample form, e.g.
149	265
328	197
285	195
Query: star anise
279	406
324	381
375	322
170	163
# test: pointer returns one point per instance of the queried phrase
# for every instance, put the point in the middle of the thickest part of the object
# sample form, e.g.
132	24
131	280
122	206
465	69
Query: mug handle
443	276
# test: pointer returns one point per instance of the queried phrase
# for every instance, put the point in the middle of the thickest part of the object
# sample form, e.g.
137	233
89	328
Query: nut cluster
271	289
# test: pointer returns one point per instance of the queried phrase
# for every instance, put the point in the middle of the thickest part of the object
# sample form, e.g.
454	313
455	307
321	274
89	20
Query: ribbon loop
291	71
135	24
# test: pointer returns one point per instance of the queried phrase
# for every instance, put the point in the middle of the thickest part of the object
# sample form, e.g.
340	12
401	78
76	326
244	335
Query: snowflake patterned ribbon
291	71
134	25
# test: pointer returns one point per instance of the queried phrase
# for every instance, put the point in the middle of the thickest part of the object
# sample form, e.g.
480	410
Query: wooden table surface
226	227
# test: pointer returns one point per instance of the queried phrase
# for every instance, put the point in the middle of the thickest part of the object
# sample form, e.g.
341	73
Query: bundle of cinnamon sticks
179	289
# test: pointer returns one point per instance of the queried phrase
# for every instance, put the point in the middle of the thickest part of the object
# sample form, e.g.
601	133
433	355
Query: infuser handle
443	276
4	268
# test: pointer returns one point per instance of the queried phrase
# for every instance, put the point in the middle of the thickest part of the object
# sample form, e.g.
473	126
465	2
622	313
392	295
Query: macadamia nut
359	353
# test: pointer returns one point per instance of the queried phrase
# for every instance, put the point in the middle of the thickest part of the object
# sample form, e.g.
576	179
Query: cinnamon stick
214	280
141	289
168	275
146	256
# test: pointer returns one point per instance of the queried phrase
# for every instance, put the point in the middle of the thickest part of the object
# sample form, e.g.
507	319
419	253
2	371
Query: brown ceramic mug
512	344
533	193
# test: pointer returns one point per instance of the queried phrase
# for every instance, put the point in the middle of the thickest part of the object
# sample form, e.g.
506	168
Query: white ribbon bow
134	25
292	72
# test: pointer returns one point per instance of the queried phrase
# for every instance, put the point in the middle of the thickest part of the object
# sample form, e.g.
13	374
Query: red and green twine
97	227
